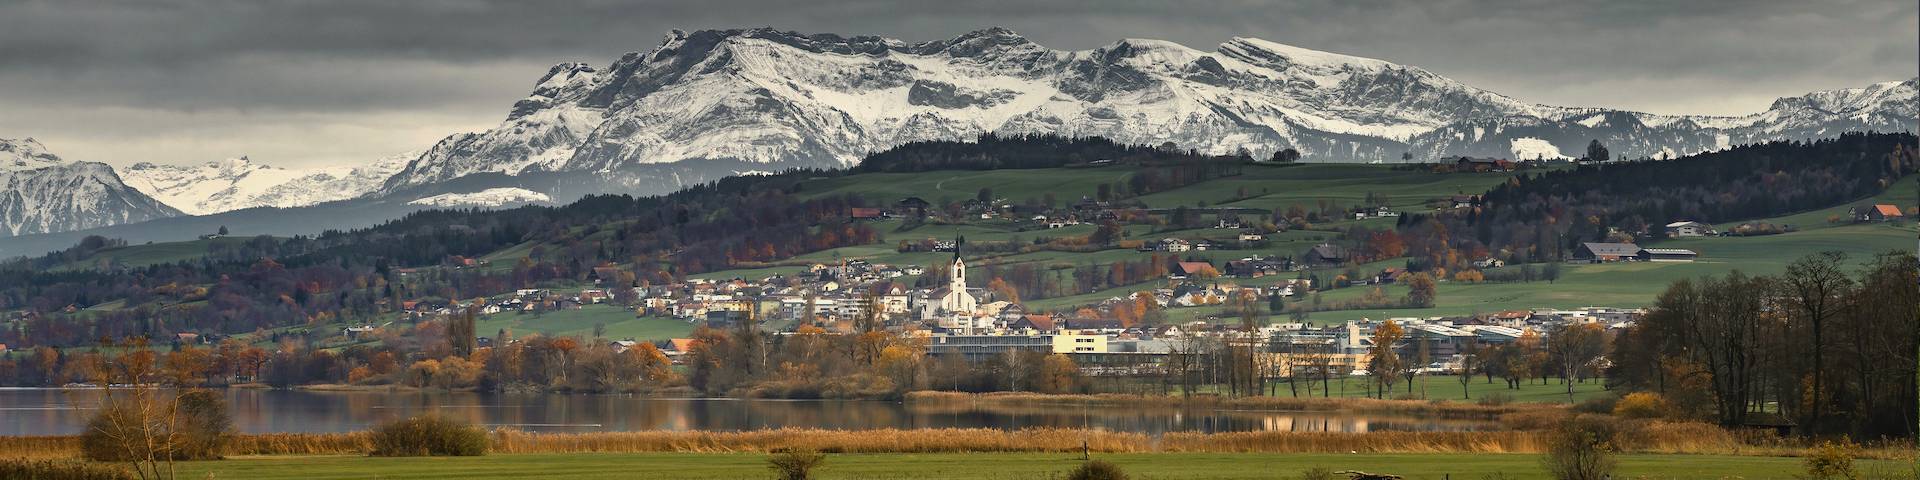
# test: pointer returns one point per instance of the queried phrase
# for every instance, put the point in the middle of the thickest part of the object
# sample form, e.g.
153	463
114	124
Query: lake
64	412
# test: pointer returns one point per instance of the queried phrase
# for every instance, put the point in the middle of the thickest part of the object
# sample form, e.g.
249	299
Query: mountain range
44	193
713	103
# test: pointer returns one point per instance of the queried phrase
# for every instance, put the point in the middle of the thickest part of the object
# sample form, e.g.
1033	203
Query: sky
320	83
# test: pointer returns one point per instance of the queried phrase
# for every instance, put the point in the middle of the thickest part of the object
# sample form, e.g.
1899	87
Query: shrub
1581	448
1317	473
1495	399
1097	470
1601	404
428	435
135	426
203	426
1830	460
60	470
795	464
1639	405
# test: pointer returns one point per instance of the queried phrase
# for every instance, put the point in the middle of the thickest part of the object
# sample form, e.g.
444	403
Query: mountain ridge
785	100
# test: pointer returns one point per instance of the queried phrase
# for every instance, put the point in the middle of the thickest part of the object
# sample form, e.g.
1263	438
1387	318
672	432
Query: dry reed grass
1636	437
1427	408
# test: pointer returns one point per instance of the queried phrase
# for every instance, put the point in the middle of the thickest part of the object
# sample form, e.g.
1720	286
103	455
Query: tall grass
1635	437
1426	408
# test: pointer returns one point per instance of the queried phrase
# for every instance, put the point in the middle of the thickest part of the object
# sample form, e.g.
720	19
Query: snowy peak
710	102
40	193
26	154
1282	56
240	183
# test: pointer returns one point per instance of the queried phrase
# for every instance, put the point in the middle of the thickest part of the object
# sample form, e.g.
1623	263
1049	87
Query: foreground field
998	466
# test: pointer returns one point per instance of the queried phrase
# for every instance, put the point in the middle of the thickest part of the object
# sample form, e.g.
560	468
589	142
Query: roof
865	212
1040	322
1683	223
1887	210
681	344
1196	267
1617	249
1670	251
1328	251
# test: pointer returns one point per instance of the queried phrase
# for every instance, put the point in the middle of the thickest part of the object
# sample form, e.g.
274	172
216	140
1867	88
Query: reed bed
1372	442
1428	408
1637	437
829	441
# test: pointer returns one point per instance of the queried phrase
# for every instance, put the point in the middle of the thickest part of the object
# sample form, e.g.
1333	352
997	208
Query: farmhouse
1876	213
1689	229
1667	255
1325	255
1192	269
858	213
1606	252
1474	164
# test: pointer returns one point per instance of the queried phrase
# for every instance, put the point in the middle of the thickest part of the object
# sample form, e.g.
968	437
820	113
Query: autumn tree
1385	363
1421	291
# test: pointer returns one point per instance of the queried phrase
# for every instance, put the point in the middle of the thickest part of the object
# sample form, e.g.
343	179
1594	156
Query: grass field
150	254
985	466
621	323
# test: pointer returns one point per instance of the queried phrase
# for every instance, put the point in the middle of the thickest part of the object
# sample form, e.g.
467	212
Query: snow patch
492	197
1529	148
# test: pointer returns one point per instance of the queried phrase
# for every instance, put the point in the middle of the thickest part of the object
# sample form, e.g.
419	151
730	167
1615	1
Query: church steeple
957	274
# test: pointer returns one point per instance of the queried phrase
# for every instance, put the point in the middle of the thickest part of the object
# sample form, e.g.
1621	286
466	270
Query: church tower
957	275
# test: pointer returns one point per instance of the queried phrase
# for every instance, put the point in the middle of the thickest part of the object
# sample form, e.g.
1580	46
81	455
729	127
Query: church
952	300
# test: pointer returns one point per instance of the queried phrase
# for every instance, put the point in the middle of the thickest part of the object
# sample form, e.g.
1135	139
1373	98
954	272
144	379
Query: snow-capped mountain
720	102
42	193
238	183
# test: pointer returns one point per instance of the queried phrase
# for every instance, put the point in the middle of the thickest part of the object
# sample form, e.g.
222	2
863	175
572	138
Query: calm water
57	412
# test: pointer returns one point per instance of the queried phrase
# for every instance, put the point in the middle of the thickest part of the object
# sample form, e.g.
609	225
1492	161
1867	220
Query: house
914	204
1173	245
1689	229
1477	164
1667	255
1325	255
1606	252
1250	238
1876	213
1489	262
1192	269
858	213
1464	201
1037	323
592	296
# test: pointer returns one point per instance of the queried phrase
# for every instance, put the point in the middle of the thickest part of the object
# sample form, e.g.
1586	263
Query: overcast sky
306	83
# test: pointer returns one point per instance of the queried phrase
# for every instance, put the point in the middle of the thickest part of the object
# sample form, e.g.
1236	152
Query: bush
203	425
60	470
428	435
1830	460
134	426
1601	404
1495	399
1640	405
795	464
1317	473
1581	448
1097	470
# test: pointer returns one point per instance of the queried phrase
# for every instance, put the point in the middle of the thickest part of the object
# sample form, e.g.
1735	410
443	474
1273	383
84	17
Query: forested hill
992	152
1526	218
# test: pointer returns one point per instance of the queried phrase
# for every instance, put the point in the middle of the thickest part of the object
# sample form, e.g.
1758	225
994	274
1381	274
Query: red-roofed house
1876	213
1192	269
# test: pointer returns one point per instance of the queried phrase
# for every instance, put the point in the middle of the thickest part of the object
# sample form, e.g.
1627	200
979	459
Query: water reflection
54	412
